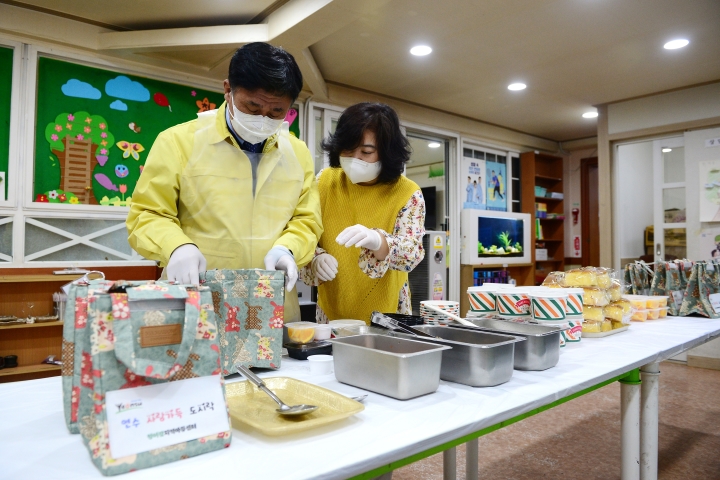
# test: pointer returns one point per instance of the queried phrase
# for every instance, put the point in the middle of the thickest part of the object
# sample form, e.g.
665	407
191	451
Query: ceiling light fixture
590	114
434	145
675	44
421	50
517	86
667	150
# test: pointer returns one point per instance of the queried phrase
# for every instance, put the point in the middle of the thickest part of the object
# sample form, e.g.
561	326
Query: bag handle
126	348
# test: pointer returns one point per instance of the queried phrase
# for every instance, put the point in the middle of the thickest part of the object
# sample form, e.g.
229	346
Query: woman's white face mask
359	171
253	128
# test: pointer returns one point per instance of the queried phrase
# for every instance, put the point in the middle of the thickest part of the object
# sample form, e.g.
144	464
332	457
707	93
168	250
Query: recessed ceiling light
421	50
667	150
434	145
675	44
517	86
590	114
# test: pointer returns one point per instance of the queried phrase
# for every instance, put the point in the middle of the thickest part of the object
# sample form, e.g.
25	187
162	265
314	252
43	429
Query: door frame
585	165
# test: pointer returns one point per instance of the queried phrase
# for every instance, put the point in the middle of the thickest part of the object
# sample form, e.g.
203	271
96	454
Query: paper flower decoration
204	105
41	198
130	148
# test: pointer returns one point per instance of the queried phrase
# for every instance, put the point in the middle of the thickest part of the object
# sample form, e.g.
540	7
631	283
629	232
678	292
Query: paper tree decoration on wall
80	141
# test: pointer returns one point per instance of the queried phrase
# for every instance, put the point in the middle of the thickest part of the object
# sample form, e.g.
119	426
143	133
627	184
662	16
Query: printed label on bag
677	296
715	301
158	335
156	416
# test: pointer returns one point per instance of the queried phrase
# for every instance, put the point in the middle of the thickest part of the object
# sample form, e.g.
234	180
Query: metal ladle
284	409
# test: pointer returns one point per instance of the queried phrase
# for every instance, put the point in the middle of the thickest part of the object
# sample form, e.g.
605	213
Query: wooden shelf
548	199
550	260
546	240
38	278
43	367
550	219
32	325
545	177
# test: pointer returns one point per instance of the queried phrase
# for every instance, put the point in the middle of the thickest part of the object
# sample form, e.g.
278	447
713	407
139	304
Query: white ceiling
572	54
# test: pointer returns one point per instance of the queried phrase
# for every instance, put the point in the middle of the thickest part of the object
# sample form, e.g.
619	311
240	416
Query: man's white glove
186	264
324	267
360	236
280	258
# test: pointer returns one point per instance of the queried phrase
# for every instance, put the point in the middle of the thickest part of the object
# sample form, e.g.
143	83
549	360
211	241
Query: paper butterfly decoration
130	148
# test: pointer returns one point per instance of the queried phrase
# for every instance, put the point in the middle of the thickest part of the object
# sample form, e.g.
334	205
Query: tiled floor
581	438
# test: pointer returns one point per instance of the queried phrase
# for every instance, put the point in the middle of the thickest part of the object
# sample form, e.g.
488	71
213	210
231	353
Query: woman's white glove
360	236
324	267
186	264
280	258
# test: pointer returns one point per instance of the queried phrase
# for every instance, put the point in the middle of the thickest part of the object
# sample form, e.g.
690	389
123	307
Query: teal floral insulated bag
151	389
249	305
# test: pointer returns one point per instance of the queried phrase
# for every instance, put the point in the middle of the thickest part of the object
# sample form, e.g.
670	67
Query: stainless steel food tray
397	367
478	358
540	351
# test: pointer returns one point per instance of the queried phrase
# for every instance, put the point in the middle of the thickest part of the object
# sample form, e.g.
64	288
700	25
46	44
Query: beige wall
571	186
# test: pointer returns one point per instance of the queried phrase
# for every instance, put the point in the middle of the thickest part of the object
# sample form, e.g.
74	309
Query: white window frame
20	205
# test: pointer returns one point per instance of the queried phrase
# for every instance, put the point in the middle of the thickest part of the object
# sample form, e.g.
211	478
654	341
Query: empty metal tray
396	367
540	351
478	358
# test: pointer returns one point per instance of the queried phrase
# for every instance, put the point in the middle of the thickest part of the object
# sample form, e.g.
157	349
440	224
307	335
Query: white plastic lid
549	293
577	290
300	325
345	323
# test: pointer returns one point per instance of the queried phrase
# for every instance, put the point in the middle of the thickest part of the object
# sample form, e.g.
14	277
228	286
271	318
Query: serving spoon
284	409
451	315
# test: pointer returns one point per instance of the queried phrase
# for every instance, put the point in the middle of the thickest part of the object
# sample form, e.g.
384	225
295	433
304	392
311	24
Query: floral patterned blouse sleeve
405	241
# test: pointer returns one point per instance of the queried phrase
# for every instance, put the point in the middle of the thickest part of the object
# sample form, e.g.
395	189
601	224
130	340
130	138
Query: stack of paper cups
548	305
574	310
513	303
482	299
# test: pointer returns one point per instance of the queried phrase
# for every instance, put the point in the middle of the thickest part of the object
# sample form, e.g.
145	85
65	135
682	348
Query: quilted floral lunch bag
140	336
249	305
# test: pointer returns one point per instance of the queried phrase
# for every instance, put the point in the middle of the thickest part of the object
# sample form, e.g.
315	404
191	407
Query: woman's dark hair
392	146
260	65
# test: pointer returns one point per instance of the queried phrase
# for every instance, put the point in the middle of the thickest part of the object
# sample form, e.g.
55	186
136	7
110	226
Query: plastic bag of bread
595	296
554	279
613	312
615	291
593	314
616	325
603	277
592	327
581	277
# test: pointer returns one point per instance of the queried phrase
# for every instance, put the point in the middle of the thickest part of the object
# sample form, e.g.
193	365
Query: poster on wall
95	127
495	168
709	191
709	244
473	168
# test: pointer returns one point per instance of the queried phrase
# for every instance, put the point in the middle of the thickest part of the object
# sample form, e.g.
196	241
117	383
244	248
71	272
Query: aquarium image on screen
500	237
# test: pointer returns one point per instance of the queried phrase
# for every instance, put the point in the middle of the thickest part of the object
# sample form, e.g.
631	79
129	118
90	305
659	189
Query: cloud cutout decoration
118	105
122	87
76	88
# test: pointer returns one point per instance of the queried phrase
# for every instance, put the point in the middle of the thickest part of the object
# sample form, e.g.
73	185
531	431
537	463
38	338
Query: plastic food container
663	311
483	299
301	332
653	313
639	315
574	306
301	351
662	301
320	364
396	367
323	331
548	305
513	303
346	323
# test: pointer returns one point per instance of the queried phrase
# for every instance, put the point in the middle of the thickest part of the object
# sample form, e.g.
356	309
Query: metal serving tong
390	323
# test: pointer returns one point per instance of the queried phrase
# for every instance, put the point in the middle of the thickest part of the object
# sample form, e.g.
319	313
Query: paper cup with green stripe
513	303
574	307
482	299
548	306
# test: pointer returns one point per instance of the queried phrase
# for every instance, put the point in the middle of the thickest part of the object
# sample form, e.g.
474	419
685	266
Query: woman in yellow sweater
374	218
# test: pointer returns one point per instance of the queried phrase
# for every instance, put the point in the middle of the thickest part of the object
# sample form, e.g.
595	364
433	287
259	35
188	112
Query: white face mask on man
359	171
253	128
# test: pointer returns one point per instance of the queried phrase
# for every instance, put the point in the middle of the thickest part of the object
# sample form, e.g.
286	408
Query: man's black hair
259	65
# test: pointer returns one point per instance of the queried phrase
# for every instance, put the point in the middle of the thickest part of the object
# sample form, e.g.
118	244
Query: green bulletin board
6	71
95	127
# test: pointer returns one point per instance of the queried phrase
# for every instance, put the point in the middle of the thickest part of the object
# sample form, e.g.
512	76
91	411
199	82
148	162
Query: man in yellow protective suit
232	189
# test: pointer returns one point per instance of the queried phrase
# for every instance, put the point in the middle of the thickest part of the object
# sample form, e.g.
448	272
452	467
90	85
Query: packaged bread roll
595	296
624	304
594	314
613	312
554	279
606	326
615	291
591	327
603	277
616	325
581	277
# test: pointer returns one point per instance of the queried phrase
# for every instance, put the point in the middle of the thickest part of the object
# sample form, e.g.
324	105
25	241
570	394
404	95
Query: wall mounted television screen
500	237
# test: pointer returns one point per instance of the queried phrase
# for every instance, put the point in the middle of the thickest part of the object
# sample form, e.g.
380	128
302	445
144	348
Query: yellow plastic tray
252	407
